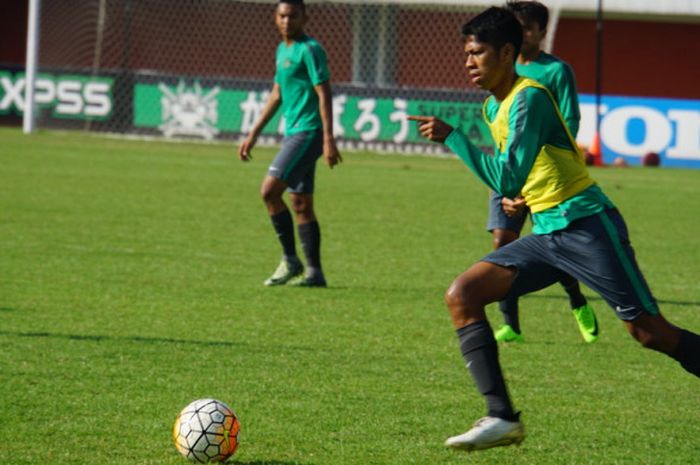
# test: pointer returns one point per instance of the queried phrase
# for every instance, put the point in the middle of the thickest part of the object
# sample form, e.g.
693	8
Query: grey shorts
295	163
499	220
595	250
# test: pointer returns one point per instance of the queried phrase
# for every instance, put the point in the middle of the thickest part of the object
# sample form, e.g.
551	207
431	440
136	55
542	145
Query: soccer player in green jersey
507	216
576	229
302	89
549	70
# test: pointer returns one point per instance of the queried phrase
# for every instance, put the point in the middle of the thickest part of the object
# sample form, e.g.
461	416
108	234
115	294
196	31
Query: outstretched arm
432	128
507	170
273	103
325	104
482	164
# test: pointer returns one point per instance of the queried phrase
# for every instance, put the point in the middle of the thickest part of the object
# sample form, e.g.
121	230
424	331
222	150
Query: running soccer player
576	229
302	89
507	216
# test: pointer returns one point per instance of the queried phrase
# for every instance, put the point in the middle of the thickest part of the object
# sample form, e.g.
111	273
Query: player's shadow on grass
143	339
267	462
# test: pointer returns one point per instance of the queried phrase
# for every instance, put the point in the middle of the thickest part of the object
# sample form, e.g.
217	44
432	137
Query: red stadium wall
13	31
640	58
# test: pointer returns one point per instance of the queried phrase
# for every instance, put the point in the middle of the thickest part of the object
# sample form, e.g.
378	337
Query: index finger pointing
421	118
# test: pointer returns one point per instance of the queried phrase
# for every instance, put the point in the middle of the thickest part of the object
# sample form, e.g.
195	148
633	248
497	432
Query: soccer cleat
587	323
308	281
507	334
287	270
488	432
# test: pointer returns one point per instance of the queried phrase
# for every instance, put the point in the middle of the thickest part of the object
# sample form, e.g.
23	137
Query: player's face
290	20
532	37
485	65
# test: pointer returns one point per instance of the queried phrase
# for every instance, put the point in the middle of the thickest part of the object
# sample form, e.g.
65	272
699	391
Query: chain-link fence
202	68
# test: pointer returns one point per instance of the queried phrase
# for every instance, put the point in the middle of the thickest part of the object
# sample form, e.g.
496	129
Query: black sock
509	308
310	236
284	226
571	286
480	351
688	352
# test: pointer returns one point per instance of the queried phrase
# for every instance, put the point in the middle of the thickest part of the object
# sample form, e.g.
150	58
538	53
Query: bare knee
299	204
503	237
648	340
480	285
271	194
654	332
460	304
303	207
461	293
271	189
644	338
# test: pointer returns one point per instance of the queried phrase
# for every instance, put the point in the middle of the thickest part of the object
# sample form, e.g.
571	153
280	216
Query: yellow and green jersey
534	156
557	76
300	66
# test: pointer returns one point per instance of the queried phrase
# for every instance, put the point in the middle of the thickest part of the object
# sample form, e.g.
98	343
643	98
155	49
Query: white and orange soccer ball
206	431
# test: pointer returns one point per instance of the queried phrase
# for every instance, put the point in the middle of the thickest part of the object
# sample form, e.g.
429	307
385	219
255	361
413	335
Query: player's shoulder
545	57
489	103
534	95
310	43
313	48
553	63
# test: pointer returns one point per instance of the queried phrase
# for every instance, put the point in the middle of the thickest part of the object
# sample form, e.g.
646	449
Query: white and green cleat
285	272
488	432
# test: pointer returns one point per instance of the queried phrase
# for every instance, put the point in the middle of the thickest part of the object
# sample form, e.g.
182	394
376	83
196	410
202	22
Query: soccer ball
206	431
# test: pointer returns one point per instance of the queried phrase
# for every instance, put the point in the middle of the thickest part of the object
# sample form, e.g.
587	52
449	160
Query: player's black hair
495	26
299	3
528	11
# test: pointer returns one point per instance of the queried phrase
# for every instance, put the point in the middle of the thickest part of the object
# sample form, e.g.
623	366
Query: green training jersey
300	66
557	76
534	156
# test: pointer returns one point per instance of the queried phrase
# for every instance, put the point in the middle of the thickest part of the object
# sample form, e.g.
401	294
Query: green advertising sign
68	96
208	112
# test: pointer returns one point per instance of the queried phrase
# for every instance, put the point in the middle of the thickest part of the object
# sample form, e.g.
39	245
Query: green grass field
131	284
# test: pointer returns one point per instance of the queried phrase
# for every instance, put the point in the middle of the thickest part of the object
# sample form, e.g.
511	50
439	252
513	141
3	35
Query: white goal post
31	65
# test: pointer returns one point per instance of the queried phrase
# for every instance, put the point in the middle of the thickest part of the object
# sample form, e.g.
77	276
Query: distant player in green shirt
550	71
302	89
576	229
507	216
